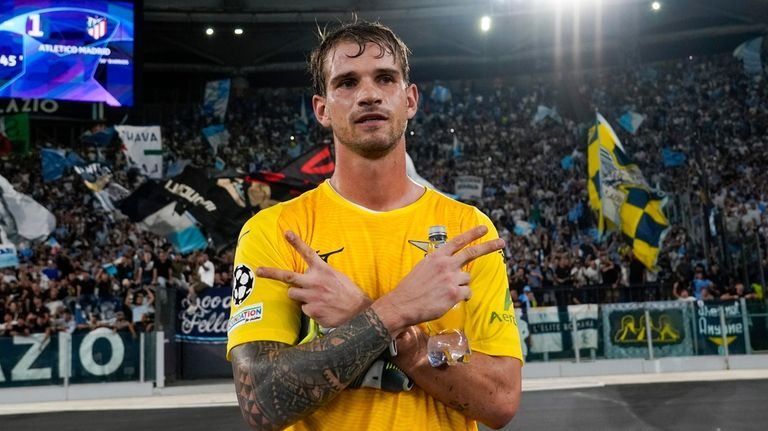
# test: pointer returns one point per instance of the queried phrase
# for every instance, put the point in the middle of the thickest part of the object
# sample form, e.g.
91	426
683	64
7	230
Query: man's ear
412	100
321	113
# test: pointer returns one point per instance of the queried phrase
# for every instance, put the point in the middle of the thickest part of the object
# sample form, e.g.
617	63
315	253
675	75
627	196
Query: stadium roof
444	35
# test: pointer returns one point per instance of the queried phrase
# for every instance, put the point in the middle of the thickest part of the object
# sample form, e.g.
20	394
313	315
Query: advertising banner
207	321
143	146
586	324
625	332
468	187
709	331
95	356
552	331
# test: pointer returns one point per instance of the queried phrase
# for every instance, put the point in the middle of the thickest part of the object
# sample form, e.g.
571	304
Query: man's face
367	102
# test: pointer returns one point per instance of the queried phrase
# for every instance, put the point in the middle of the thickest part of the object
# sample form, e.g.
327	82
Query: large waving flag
99	135
749	53
621	197
143	147
155	211
304	173
543	112
56	161
216	135
216	98
98	178
671	158
631	121
8	255
21	217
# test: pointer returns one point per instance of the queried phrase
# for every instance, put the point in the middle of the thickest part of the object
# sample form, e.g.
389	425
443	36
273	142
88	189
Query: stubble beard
373	147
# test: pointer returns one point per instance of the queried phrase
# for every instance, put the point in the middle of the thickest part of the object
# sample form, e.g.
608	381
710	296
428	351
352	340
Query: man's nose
368	93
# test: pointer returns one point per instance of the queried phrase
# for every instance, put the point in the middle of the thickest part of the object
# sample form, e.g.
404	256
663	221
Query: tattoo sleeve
277	384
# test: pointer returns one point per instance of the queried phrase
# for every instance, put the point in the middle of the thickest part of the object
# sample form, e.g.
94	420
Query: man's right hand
435	284
328	296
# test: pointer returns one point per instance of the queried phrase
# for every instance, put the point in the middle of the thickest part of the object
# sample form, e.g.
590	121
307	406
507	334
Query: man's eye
347	83
387	78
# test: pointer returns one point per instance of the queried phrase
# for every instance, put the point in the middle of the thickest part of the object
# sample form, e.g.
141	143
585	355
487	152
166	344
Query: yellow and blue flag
621	197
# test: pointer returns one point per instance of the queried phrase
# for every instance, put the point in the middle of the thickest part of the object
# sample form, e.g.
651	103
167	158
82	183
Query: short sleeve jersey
376	250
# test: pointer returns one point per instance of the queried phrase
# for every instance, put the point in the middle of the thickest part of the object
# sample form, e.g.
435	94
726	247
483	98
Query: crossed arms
278	384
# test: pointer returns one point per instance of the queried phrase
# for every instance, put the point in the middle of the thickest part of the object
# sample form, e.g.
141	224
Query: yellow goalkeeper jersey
376	250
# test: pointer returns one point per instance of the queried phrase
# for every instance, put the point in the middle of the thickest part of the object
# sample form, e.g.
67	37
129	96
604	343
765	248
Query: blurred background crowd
98	269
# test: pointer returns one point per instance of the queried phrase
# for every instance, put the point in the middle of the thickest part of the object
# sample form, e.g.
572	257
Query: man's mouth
371	118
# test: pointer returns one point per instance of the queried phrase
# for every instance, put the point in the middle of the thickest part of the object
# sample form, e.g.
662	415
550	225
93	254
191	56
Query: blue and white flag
524	228
575	213
543	112
100	137
457	148
219	164
176	167
188	240
631	121
672	158
216	135
216	98
8	256
55	162
566	162
749	53
109	268
440	94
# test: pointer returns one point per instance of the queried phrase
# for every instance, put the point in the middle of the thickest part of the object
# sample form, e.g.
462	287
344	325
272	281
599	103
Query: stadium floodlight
238	31
209	31
485	23
655	6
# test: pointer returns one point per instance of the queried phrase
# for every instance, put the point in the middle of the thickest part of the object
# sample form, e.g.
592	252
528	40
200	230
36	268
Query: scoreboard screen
67	50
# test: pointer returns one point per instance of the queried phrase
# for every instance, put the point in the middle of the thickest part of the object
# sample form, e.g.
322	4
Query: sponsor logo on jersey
246	315
508	315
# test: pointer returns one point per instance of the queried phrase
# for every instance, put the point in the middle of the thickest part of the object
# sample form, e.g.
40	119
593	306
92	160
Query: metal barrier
602	293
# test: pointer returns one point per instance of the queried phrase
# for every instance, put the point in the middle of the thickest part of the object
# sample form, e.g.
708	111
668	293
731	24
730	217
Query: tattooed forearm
277	385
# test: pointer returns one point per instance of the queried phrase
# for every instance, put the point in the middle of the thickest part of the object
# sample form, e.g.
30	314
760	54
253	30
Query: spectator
739	291
701	285
527	298
162	271
139	306
122	324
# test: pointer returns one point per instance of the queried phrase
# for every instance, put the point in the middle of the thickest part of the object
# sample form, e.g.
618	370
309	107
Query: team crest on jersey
421	245
242	283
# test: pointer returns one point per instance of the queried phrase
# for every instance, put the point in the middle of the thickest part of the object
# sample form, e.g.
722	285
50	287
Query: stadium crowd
100	270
